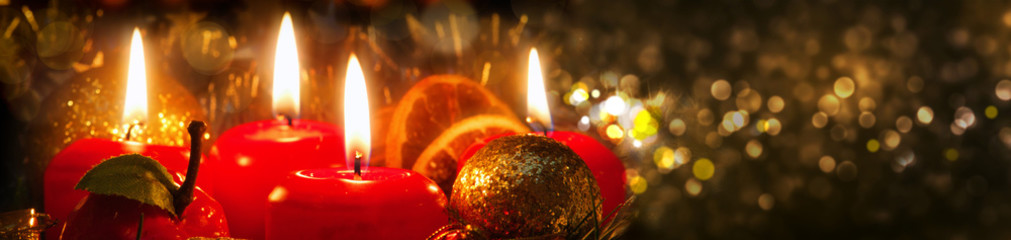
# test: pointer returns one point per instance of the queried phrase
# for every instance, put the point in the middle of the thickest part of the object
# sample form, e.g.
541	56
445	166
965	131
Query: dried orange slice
431	107
438	160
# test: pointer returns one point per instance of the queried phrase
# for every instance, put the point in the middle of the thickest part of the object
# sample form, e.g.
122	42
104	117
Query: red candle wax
73	162
385	203
607	169
250	159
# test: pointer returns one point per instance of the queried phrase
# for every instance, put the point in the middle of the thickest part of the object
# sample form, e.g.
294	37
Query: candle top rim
271	130
371	174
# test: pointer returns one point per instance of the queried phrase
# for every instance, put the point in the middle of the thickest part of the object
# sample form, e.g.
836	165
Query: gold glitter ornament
526	186
90	105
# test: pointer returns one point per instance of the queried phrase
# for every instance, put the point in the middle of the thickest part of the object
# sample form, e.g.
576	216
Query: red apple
100	216
135	197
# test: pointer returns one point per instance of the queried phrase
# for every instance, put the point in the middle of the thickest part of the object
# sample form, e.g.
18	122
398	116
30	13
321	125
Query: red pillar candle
356	203
607	168
384	203
70	164
250	159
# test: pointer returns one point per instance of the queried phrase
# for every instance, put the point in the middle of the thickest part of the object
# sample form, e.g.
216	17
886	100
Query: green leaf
132	176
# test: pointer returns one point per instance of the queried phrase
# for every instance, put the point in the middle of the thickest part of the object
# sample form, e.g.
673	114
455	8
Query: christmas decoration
526	186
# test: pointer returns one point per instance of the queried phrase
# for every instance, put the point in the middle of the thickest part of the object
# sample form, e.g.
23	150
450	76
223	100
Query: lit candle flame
286	75
537	100
357	136
135	106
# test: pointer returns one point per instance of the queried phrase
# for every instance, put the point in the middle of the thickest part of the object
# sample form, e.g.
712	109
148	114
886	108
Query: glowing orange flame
537	100
286	73
135	106
357	136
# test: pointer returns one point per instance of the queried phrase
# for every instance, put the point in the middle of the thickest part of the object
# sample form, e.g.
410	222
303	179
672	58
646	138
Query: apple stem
184	196
140	225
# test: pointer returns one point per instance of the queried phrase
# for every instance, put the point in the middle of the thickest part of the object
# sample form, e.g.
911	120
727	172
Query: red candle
607	168
250	159
68	166
356	203
385	203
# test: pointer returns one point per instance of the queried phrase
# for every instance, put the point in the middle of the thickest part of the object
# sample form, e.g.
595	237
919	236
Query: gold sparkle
776	104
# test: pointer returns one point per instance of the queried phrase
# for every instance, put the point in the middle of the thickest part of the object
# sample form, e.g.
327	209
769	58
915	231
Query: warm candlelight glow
357	138
286	76
135	106
537	100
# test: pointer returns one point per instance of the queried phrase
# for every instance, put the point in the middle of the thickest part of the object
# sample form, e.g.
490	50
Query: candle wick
285	117
129	130
358	164
537	126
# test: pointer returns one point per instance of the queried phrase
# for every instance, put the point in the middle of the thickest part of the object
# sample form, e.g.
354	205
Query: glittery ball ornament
526	186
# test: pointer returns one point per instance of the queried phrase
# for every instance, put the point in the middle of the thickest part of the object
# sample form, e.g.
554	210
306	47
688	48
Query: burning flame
135	107
537	100
357	136
286	76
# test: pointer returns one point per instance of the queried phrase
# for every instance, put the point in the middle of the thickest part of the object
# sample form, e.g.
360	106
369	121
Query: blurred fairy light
844	87
644	126
1005	136
705	117
1003	90
720	90
866	119
891	139
826	164
873	145
990	112
819	119
681	156
614	105
749	100
903	161
925	115
766	201
867	104
829	104
663	157
951	154
614	132
584	123
776	104
703	169
846	171
677	127
753	148
903	124
636	182
773	126
964	118
578	96
693	187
